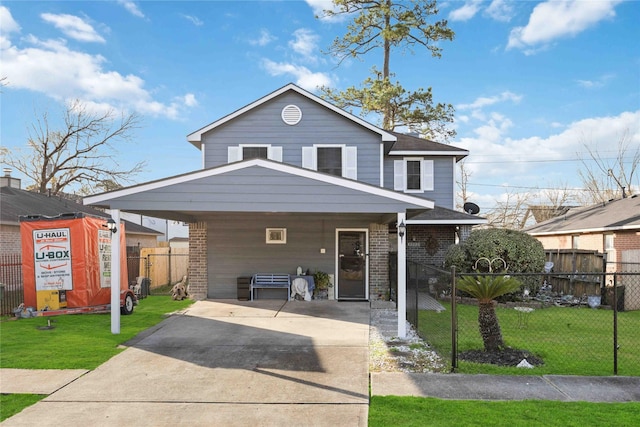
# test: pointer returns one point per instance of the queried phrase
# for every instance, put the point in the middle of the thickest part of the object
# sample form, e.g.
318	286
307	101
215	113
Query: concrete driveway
231	363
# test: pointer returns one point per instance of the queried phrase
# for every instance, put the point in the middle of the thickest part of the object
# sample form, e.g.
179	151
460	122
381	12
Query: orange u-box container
66	261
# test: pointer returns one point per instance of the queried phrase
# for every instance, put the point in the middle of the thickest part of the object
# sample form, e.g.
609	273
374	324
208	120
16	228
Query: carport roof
256	185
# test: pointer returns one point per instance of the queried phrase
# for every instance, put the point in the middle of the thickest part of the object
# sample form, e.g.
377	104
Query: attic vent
291	115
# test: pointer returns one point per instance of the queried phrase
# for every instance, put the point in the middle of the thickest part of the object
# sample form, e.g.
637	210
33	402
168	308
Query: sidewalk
503	387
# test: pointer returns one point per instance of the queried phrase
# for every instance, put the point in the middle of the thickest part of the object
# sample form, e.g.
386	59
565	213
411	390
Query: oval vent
291	115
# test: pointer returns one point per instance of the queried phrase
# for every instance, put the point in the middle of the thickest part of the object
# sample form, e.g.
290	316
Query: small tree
486	289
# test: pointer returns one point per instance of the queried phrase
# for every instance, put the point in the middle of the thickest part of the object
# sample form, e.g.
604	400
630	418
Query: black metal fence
11	291
564	329
11	286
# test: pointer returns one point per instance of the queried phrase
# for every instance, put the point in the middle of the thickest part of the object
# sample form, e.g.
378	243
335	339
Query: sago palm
485	289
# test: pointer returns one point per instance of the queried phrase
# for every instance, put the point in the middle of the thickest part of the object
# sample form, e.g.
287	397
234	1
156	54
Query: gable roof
196	137
621	214
256	185
16	203
414	145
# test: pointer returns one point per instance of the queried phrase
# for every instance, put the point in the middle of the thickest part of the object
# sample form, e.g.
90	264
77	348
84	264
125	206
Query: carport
229	207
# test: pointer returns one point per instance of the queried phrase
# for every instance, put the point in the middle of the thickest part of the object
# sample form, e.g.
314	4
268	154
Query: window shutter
398	175
350	163
234	154
275	153
427	175
309	158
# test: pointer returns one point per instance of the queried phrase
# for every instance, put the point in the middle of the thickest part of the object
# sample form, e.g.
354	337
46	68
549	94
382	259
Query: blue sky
532	82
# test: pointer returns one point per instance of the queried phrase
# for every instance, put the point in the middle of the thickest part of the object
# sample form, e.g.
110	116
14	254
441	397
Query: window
276	236
254	153
575	242
330	160
413	175
338	160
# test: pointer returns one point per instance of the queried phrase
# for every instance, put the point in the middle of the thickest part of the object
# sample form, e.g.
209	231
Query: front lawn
571	341
416	411
79	341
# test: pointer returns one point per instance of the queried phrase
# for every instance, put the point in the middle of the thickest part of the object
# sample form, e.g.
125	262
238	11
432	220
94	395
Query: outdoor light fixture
402	229
111	225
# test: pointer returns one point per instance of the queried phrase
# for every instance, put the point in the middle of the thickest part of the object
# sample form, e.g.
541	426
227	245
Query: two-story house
291	180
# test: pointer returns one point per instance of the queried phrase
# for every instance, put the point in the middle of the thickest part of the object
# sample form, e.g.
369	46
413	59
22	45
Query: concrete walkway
231	363
504	387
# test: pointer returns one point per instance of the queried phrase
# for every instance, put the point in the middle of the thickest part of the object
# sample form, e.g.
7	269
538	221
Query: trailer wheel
127	307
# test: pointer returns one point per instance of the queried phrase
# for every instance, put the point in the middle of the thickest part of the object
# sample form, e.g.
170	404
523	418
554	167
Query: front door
352	264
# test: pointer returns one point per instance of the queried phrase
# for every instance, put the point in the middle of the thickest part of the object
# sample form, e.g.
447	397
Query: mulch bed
506	357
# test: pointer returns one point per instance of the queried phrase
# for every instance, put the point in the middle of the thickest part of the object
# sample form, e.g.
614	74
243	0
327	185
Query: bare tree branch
83	152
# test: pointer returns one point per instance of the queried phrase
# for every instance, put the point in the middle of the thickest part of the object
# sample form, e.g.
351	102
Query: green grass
11	404
81	341
571	341
416	411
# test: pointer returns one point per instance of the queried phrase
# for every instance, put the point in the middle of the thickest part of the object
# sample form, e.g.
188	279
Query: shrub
521	252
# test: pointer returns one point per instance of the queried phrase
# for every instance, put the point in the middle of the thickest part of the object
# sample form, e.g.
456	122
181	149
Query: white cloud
132	8
319	6
500	10
305	78
194	20
73	26
305	43
594	84
190	100
486	101
52	68
496	157
552	20
7	26
465	12
264	39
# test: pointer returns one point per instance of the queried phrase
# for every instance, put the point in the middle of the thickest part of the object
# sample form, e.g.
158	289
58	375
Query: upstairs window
253	151
413	175
338	160
330	160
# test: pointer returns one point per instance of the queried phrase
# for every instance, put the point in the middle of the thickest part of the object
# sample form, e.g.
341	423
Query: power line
530	161
524	187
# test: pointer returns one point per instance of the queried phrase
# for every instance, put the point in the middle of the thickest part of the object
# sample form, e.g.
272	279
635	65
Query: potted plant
323	282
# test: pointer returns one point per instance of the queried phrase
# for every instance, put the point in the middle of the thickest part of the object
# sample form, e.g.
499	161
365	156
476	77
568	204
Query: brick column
378	262
198	282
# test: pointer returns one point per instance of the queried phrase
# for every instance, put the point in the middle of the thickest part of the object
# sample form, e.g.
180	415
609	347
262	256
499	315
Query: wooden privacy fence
577	263
163	266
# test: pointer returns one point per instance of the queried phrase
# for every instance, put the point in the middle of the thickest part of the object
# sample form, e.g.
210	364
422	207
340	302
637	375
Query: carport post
115	273
402	280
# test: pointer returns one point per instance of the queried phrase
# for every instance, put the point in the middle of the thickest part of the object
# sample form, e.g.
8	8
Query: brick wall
10	239
427	244
625	241
378	261
198	283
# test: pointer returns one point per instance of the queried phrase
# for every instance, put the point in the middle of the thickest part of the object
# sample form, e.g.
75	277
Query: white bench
271	281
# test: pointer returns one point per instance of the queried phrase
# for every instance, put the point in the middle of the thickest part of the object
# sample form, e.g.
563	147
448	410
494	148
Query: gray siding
443	186
257	189
236	246
263	125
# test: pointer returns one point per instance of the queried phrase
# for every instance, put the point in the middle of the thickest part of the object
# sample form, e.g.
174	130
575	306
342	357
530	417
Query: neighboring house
15	202
612	228
291	180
